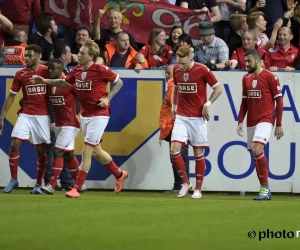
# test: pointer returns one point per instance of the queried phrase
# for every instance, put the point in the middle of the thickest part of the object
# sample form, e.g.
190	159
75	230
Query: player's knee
58	153
15	145
257	149
41	150
68	156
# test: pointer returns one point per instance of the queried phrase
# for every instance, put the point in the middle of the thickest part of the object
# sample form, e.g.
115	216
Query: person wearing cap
214	49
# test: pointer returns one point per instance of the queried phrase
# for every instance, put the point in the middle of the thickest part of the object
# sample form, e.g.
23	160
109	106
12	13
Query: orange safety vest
111	49
166	121
14	55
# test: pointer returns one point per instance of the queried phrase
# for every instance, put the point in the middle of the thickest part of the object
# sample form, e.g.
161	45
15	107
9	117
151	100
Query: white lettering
63	12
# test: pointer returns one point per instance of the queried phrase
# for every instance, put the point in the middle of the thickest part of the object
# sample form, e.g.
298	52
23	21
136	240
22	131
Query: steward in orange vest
111	49
166	121
14	54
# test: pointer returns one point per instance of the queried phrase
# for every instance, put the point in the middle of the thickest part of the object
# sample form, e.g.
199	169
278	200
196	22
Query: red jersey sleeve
275	86
108	75
234	56
71	77
210	78
16	85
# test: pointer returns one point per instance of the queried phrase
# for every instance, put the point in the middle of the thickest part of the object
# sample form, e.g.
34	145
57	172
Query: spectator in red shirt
19	12
156	52
284	55
237	60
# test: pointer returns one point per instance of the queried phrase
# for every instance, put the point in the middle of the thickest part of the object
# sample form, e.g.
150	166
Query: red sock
14	158
262	165
113	168
57	167
200	171
73	166
80	179
41	168
180	167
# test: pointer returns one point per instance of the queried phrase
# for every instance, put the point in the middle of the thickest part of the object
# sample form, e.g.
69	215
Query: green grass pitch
145	220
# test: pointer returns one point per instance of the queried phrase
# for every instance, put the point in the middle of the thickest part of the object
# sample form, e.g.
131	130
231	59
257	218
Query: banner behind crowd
139	17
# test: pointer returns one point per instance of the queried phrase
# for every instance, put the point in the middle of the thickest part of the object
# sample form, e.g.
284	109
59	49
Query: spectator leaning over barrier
257	22
239	25
172	41
284	55
105	36
237	60
14	48
156	52
204	7
5	27
214	49
121	53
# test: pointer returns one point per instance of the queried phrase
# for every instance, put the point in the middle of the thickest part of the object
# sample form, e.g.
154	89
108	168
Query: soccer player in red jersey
33	117
91	80
67	125
192	114
261	89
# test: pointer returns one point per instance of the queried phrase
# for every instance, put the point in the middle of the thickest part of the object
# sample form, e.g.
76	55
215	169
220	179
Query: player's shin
180	166
199	170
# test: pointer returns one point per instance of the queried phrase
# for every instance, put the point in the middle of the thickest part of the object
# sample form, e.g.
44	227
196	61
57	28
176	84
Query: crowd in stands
229	29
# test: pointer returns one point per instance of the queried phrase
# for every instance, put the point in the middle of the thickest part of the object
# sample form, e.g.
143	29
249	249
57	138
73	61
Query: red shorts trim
41	144
92	145
65	150
182	143
200	146
19	139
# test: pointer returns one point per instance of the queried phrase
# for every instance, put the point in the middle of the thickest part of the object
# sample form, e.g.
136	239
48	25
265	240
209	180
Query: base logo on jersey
83	85
185	76
36	89
254	83
187	87
254	94
83	75
53	90
57	100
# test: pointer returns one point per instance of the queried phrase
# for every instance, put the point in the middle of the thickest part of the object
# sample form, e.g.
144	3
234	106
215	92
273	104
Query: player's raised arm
117	85
52	82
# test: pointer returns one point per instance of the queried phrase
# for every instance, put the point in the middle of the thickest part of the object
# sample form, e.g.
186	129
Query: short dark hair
254	53
120	33
34	47
84	27
57	61
59	48
14	34
186	38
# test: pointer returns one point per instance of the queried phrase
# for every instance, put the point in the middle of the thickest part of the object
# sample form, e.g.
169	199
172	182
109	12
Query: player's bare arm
8	102
279	112
214	95
106	100
52	82
175	100
239	129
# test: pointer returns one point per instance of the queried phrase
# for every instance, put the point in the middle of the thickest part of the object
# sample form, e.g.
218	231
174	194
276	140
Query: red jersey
260	92
91	86
34	95
63	100
192	89
280	58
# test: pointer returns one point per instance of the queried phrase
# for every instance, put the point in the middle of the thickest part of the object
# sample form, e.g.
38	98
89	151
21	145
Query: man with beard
261	89
33	118
48	30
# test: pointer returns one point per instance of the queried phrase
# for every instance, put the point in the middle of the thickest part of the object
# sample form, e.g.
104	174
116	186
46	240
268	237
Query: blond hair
183	52
93	49
253	17
236	21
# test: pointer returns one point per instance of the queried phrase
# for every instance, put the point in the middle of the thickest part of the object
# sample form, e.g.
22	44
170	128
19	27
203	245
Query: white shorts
93	129
65	137
259	134
36	126
194	129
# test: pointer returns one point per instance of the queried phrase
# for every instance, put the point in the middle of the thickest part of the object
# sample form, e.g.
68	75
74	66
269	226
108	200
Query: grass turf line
141	220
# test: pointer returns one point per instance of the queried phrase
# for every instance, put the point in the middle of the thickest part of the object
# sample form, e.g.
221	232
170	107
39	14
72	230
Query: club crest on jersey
254	83
53	90
185	76
83	75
